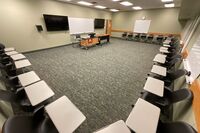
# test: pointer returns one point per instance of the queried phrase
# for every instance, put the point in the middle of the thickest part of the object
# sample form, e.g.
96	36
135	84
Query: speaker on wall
39	28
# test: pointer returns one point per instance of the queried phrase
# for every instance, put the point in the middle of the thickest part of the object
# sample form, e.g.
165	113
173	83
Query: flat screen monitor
56	23
99	23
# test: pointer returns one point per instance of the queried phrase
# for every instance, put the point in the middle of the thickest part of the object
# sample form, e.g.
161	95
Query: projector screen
80	25
142	26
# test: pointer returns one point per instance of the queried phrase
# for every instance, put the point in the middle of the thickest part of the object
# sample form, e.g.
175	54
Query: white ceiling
145	4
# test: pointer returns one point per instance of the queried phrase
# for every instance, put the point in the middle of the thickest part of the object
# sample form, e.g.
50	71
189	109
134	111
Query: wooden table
144	117
65	115
160	58
103	37
117	127
159	70
38	92
16	57
154	86
28	78
22	63
88	42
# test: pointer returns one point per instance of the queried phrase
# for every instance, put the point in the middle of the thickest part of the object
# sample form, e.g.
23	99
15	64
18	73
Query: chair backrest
177	74
176	127
2	47
179	56
47	126
179	95
124	34
78	36
172	62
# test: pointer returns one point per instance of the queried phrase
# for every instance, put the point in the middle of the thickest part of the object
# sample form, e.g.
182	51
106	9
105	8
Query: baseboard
47	48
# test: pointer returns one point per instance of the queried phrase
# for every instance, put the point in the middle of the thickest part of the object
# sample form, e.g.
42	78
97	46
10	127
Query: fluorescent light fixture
169	5
137	8
115	0
114	10
126	3
167	0
85	3
100	7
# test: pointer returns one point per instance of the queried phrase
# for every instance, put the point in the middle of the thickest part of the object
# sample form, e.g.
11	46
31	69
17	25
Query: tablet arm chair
171	76
173	57
175	127
130	36
124	35
170	97
36	123
174	97
171	63
2	47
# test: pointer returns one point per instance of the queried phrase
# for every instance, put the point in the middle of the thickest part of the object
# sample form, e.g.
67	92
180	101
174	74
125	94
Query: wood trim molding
154	33
195	87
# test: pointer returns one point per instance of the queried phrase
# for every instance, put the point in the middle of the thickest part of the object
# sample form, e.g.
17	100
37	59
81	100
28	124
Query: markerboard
142	26
80	25
194	59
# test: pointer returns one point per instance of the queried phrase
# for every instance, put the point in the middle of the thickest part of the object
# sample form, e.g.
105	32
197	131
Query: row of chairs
157	97
148	38
41	114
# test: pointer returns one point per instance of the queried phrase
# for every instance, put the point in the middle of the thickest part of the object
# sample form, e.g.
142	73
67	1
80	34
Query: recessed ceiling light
115	0
167	0
126	3
169	5
100	7
137	8
114	10
84	3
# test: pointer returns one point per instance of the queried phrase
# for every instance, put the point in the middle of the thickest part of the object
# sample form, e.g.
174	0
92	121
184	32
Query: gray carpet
103	82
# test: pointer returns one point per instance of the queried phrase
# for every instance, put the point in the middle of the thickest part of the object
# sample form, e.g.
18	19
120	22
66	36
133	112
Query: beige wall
19	17
163	20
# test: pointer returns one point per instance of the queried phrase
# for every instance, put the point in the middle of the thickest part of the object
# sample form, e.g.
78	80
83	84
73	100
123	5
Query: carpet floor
103	82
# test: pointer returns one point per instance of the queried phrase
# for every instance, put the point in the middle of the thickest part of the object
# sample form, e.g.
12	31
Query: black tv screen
99	23
56	23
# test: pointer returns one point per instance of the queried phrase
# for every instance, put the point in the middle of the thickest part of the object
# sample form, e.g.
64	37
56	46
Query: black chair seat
29	124
176	127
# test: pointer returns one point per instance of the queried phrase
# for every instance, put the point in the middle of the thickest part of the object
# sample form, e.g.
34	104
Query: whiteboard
80	25
194	59
142	26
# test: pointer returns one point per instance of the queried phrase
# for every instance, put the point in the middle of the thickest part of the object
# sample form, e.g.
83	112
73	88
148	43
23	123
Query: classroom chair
150	38
175	127
170	97
2	46
178	56
59	116
170	64
137	37
143	37
34	123
124	35
130	36
172	76
159	39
